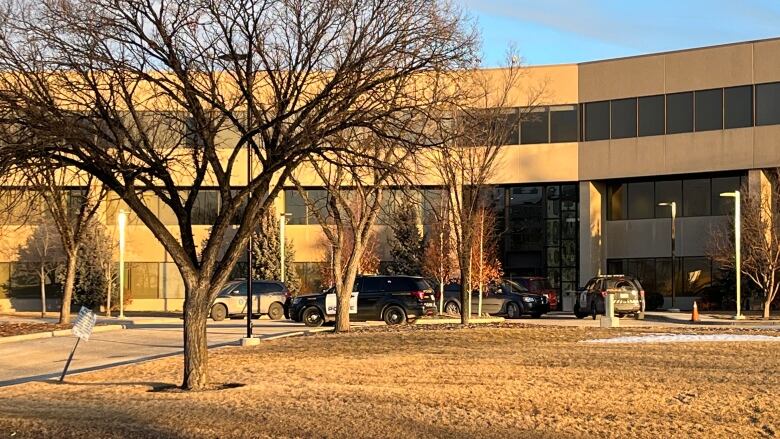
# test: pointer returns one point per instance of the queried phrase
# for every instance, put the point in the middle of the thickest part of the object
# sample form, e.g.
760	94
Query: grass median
500	381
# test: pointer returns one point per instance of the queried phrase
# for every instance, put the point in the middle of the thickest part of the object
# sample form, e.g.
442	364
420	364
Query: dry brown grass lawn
508	382
8	329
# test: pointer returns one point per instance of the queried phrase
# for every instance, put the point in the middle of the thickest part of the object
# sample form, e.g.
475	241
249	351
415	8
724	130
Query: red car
540	285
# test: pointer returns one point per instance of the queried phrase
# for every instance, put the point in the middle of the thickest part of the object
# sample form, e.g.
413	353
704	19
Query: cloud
642	26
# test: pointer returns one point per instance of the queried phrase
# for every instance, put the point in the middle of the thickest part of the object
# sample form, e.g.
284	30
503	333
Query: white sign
331	303
84	324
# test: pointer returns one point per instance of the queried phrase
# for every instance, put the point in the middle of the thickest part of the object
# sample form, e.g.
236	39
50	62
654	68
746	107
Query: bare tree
153	97
42	254
355	192
760	241
72	211
481	125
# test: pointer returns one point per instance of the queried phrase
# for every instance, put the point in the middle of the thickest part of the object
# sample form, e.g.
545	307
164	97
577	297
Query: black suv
393	299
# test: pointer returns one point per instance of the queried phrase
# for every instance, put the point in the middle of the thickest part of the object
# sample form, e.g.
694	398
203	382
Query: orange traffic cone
695	313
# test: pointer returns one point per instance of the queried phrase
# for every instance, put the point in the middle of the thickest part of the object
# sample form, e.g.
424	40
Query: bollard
609	320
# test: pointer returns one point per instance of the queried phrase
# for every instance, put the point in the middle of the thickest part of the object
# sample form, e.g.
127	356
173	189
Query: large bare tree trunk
767	304
42	275
195	344
67	288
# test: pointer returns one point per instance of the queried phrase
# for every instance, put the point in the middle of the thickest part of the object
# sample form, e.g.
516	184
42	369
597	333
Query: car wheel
512	311
275	311
577	312
452	308
312	317
218	312
593	309
394	315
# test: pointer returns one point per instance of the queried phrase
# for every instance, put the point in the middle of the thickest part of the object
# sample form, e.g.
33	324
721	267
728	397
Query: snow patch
684	338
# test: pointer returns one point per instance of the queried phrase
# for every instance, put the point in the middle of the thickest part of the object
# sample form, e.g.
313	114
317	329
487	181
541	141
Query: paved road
44	358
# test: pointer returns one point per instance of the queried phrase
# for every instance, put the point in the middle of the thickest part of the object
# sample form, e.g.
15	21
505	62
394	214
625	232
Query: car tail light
420	295
604	293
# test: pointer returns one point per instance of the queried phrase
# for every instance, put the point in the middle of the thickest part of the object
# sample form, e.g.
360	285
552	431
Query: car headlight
296	300
528	299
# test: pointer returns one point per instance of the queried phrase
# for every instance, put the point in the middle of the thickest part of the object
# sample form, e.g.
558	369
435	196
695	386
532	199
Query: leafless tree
760	240
479	129
41	254
71	212
150	97
355	192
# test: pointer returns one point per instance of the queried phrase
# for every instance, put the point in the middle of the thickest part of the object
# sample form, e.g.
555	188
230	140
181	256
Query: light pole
481	258
282	225
673	205
121	220
737	248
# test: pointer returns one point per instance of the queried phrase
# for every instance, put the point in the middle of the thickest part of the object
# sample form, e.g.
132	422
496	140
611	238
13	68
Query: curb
295	334
477	321
57	333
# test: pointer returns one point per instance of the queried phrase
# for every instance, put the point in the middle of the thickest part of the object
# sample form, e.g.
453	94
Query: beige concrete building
578	187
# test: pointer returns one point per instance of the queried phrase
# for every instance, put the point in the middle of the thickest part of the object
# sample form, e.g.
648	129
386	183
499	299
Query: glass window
696	275
319	200
618	204
597	120
493	125
644	270
679	113
666	192
651	115
709	109
623	118
738	107
723	205
563	123
142	280
534	126
206	208
696	197
641	202
295	206
373	284
768	104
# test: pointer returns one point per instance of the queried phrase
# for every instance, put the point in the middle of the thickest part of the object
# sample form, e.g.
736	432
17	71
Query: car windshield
515	287
228	288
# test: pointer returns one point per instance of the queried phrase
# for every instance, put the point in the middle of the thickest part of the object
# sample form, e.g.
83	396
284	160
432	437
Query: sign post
82	329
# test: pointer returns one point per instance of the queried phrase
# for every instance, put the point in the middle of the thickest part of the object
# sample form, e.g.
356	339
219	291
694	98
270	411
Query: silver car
268	298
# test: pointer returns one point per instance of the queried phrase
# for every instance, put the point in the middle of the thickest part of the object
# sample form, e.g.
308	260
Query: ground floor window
540	232
693	275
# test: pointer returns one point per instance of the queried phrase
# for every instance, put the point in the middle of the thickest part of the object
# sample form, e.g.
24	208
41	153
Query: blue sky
567	31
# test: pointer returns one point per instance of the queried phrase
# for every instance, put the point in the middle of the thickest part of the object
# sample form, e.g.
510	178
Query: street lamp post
673	205
121	220
238	57
737	248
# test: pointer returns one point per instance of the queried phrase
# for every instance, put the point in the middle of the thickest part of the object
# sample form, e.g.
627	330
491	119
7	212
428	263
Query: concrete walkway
146	339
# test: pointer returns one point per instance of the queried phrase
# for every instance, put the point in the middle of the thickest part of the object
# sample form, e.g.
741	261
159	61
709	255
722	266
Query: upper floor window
679	113
768	104
623	118
651	115
709	109
597	120
534	128
738	107
563	123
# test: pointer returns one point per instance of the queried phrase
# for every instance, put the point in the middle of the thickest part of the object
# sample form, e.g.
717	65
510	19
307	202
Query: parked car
540	285
394	299
268	298
628	294
508	298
